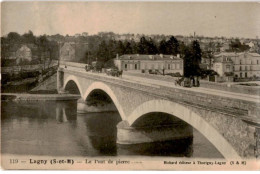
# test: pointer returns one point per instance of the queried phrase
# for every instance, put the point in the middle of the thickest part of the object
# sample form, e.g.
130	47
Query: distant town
217	59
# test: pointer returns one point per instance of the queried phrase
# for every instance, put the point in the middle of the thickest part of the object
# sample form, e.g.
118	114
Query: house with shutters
149	63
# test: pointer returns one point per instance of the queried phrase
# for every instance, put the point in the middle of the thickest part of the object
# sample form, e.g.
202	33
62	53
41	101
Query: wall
206	84
175	65
231	88
67	52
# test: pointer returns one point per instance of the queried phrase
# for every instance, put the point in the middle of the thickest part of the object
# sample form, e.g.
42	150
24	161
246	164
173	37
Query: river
43	128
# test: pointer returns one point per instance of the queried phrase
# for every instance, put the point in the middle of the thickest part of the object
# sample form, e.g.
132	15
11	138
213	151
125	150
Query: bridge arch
189	117
75	80
109	92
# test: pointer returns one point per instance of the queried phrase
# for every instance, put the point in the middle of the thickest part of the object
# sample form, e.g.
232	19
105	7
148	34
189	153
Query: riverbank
38	97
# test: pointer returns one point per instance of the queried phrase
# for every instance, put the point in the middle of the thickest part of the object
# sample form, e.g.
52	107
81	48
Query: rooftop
233	54
148	57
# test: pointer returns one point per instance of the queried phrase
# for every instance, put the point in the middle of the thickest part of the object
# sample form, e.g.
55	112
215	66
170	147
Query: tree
236	46
102	52
134	47
128	48
111	49
188	64
142	46
182	48
196	56
151	47
147	46
162	47
43	47
192	59
29	37
172	46
110	64
13	37
120	48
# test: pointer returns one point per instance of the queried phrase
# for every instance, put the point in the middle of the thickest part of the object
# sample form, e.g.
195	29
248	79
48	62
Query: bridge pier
85	107
60	77
133	135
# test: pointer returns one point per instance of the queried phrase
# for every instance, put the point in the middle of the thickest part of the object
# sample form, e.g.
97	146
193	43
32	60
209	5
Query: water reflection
55	128
66	111
176	148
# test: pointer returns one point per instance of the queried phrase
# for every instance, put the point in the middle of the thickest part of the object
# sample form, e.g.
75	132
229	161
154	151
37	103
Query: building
206	63
149	63
67	52
16	53
224	67
245	64
23	53
74	52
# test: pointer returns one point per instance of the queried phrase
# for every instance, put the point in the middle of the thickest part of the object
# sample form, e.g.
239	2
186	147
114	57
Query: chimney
178	55
117	56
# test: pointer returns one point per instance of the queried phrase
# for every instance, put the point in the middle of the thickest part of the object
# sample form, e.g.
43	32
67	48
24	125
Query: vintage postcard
130	85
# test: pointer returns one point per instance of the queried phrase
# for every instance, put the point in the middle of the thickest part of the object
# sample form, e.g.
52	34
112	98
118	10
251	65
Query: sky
211	19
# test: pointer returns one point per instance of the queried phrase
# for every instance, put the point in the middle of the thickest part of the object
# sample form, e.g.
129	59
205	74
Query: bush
208	72
109	64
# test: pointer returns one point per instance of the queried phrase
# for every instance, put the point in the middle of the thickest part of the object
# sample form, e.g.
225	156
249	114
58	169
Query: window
241	75
173	66
245	75
257	62
177	66
125	66
251	68
240	62
228	68
169	66
240	68
246	68
135	66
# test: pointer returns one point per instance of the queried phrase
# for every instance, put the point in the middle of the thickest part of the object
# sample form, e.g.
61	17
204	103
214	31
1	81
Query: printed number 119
13	161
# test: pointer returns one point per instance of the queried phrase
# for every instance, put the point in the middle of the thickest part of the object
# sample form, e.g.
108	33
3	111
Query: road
216	92
160	83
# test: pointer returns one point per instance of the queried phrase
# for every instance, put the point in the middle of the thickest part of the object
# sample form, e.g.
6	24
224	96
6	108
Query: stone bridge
147	109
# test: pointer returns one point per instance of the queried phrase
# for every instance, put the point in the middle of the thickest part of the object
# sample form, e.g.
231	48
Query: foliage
207	72
192	59
169	47
147	46
110	64
236	46
39	45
